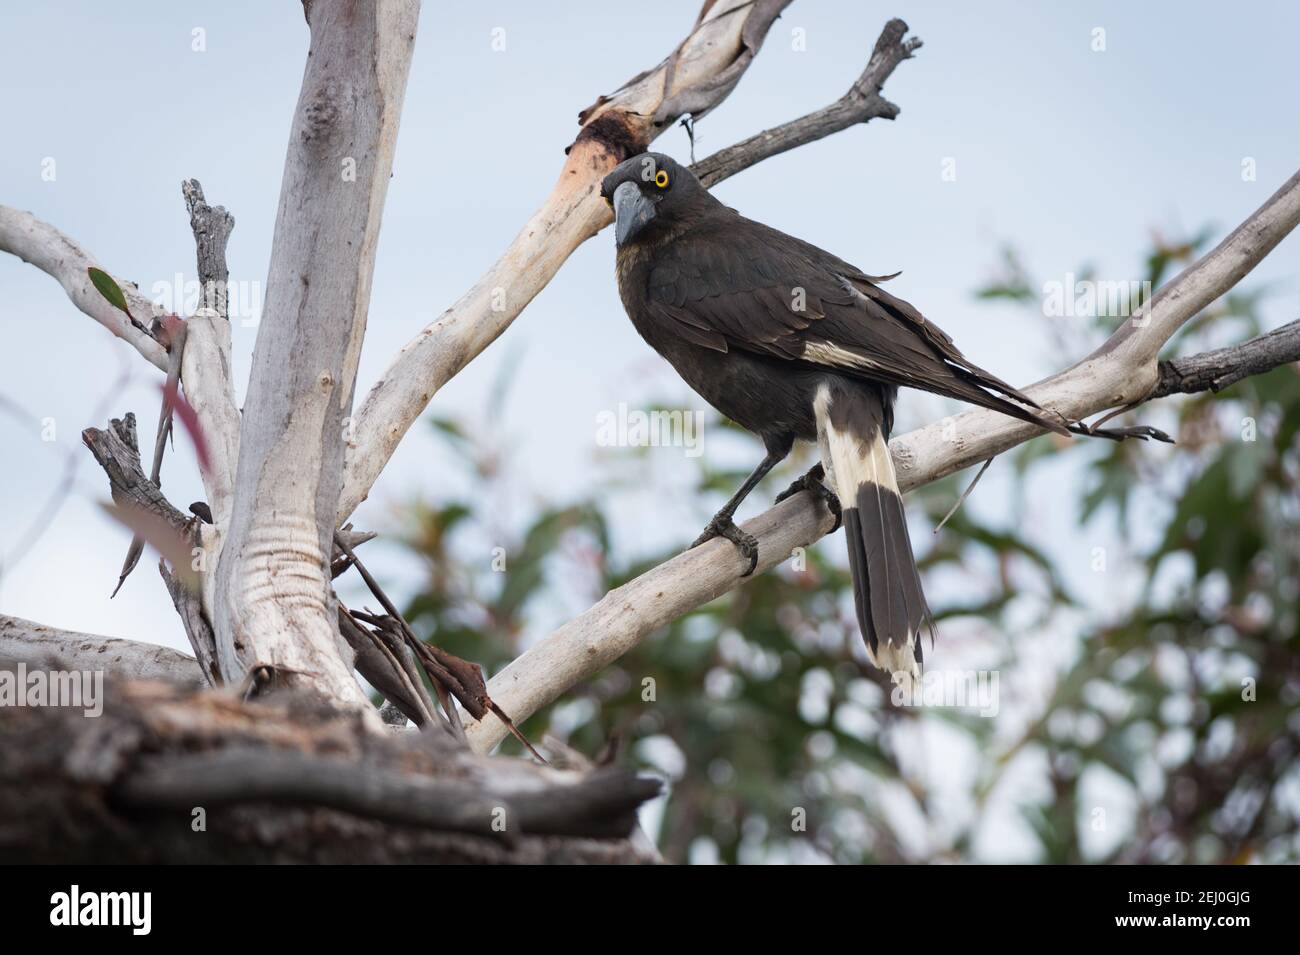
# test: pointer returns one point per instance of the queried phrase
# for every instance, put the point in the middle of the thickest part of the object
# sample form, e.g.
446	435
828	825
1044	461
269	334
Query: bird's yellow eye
661	179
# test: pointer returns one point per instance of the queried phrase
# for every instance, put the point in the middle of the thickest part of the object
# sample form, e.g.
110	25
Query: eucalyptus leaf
106	287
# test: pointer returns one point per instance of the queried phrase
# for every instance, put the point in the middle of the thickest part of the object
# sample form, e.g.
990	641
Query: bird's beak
632	210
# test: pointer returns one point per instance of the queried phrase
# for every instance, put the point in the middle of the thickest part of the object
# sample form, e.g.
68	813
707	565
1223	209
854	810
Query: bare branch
57	255
861	103
211	227
25	641
1223	367
118	452
388	672
1123	371
206	358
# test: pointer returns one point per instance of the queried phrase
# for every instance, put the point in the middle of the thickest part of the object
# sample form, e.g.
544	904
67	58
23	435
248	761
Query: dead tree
283	477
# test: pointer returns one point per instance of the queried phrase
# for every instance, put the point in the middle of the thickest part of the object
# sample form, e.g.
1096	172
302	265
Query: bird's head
648	194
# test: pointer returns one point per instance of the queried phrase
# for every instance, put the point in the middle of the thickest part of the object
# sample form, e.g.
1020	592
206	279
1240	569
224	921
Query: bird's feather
891	608
731	283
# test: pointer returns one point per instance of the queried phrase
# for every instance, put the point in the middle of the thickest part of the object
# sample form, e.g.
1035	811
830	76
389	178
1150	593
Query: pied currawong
793	343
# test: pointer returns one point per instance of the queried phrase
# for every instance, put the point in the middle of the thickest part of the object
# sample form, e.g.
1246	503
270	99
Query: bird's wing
741	285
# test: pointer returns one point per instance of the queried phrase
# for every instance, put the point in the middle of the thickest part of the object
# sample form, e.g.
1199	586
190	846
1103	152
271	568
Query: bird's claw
1140	431
723	526
812	483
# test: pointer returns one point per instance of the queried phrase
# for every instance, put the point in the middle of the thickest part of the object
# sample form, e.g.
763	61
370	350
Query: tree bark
25	641
166	776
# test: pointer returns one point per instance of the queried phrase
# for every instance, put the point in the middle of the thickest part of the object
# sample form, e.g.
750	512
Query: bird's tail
891	607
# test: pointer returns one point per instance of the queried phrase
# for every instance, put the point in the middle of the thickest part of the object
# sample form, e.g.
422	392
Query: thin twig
964	494
451	676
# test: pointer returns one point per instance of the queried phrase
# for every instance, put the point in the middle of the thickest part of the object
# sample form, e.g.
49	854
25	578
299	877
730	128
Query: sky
1074	154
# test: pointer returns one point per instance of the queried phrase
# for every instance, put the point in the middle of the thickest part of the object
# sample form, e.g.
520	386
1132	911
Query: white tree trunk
273	602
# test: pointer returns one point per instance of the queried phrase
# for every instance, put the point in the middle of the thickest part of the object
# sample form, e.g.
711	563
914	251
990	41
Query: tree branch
206	370
694	79
57	255
1122	371
1224	367
25	641
118	452
861	103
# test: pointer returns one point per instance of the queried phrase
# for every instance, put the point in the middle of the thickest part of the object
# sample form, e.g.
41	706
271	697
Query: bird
795	344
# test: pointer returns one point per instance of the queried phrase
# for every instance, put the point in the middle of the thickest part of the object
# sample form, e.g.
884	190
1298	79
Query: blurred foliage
1163	727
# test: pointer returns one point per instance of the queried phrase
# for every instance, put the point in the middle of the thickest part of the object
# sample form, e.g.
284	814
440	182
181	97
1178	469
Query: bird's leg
722	524
813	483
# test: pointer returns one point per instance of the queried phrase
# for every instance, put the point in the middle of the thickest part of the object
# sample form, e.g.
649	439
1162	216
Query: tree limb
1224	367
118	452
198	628
206	370
1122	371
861	103
25	641
57	255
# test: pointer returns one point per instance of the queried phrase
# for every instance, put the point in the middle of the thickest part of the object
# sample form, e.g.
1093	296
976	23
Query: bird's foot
723	526
812	483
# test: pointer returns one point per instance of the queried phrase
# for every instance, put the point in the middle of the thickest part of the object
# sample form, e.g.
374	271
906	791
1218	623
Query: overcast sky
1073	154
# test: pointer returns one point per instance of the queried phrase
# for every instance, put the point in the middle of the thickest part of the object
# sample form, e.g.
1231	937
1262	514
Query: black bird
791	342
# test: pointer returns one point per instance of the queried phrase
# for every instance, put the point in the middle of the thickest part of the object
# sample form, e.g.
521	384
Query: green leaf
104	283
